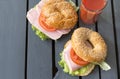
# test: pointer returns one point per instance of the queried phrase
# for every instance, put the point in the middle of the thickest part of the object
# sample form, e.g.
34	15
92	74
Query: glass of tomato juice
90	10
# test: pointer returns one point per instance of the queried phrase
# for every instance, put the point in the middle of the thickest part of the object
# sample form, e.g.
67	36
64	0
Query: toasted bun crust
59	14
53	0
68	42
89	45
89	70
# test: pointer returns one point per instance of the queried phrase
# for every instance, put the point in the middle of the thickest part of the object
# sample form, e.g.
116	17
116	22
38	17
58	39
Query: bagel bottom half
83	71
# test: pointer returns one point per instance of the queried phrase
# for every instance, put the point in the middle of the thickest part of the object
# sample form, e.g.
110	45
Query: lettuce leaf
41	35
80	71
74	5
104	66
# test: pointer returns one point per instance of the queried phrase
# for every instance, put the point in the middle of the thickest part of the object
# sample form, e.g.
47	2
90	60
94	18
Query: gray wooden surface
39	54
105	28
12	38
24	56
116	20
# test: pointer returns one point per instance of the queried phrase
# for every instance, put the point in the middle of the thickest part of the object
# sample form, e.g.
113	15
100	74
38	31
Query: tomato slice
43	24
77	59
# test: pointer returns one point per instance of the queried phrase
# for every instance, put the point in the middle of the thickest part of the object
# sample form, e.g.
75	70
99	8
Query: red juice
90	9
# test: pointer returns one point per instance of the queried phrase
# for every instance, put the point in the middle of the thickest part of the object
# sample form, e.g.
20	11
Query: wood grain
39	64
116	9
12	38
105	28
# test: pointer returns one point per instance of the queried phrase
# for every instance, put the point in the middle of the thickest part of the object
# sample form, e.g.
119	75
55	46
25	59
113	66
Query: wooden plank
12	38
95	73
105	28
61	75
117	29
39	54
59	44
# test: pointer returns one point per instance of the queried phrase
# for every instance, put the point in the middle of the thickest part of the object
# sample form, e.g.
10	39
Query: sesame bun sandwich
82	52
53	18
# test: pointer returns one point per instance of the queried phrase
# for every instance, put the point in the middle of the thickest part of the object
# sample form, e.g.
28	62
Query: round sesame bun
89	70
59	14
89	45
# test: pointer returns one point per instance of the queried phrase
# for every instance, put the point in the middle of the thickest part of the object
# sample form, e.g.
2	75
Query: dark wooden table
24	56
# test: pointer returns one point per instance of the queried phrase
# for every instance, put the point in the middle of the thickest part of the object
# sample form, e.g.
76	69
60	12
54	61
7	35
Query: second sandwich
83	51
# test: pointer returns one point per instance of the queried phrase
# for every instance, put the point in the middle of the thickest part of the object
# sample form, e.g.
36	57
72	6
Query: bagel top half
89	45
59	14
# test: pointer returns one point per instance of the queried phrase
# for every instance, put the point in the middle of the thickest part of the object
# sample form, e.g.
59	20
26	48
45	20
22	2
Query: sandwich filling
74	65
70	66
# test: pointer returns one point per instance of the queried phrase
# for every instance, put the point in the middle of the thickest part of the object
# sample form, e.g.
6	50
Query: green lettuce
41	35
73	4
104	66
80	71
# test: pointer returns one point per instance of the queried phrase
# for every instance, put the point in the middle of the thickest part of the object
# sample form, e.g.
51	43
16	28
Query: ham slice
33	16
66	54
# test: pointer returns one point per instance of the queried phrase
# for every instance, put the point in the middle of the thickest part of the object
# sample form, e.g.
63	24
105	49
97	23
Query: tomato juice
90	9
